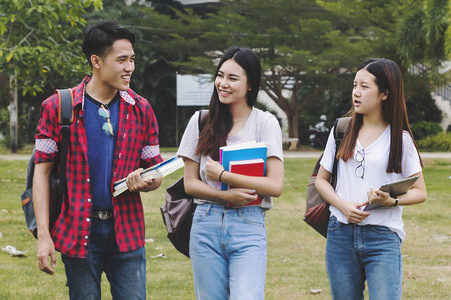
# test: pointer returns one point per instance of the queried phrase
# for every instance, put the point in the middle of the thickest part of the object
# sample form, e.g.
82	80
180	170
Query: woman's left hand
378	197
214	169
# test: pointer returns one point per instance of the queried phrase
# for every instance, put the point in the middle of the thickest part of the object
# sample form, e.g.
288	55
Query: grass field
295	251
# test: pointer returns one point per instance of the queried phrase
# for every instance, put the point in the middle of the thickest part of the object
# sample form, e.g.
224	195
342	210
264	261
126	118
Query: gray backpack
57	179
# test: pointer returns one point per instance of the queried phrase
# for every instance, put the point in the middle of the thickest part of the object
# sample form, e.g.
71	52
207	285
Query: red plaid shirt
137	146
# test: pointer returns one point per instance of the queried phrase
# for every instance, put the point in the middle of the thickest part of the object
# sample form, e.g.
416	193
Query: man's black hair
100	37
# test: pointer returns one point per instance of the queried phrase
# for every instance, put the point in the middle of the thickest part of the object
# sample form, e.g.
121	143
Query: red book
249	167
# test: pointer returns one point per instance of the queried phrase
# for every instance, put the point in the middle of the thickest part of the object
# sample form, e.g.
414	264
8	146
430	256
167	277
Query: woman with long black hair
228	243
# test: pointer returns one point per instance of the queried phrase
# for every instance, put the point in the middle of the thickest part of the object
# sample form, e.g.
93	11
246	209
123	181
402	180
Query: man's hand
46	248
136	184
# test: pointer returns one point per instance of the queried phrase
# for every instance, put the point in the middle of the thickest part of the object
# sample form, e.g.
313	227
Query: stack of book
159	170
246	159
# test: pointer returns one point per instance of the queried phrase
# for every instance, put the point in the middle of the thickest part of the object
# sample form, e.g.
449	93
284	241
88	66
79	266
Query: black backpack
317	211
57	180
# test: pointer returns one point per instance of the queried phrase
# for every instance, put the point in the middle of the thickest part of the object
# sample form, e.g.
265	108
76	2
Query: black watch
396	202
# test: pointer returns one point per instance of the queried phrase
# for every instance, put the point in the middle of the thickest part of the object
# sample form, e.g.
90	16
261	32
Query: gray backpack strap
341	125
65	118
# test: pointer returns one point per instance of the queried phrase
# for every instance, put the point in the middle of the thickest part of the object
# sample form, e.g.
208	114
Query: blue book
242	151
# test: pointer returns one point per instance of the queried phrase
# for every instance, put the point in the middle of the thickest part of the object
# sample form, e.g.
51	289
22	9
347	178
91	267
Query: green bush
439	142
423	129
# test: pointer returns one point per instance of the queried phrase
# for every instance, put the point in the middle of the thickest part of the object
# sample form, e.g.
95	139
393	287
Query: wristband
396	202
220	175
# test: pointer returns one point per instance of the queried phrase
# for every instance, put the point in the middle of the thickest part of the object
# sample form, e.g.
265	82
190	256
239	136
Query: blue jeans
126	271
228	252
357	253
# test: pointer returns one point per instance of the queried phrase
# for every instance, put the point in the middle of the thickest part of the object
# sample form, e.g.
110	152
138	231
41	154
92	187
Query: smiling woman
231	84
231	266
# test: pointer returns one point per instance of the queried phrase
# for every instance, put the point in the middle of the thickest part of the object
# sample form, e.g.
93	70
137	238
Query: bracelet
396	202
220	175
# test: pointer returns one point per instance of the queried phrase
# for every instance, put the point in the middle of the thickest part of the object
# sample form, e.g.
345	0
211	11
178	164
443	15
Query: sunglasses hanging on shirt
107	127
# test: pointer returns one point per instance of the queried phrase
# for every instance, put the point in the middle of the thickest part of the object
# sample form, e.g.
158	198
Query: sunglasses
107	127
360	158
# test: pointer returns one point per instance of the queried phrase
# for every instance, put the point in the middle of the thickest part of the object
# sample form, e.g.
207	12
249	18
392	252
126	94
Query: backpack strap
65	118
202	114
340	127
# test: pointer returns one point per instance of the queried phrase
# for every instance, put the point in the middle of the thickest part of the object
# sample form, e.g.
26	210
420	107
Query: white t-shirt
260	126
354	189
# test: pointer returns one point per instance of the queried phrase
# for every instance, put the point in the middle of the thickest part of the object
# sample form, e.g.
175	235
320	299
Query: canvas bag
57	179
177	212
317	212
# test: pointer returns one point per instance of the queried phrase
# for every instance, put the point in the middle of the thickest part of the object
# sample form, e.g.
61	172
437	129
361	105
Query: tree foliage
303	47
309	49
37	38
424	34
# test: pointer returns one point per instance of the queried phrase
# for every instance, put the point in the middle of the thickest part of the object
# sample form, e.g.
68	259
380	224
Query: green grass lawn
295	251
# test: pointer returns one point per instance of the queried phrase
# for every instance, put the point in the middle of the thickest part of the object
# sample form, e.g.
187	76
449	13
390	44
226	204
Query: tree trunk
13	115
293	128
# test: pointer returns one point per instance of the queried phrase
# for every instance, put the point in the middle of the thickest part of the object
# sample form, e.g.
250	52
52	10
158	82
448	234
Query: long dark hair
219	122
389	80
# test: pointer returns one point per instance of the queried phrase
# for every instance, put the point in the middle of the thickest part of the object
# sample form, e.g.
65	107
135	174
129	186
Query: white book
160	170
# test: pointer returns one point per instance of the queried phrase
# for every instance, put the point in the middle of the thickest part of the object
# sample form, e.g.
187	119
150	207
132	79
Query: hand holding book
157	171
246	159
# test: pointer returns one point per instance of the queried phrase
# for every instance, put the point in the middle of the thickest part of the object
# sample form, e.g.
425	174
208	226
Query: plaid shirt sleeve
151	148
48	132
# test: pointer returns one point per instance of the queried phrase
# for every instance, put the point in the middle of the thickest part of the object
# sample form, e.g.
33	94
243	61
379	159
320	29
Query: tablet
395	188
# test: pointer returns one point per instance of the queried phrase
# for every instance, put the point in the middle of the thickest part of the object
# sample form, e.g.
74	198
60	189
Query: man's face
117	66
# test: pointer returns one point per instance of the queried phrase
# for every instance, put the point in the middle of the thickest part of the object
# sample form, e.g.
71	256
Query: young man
114	133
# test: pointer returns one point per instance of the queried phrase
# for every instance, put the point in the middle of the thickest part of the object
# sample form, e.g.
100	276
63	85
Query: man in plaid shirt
114	133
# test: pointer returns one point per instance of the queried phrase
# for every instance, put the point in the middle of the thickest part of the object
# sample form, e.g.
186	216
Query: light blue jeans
126	271
357	253
228	252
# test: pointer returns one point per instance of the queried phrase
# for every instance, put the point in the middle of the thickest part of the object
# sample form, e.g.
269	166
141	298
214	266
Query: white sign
194	90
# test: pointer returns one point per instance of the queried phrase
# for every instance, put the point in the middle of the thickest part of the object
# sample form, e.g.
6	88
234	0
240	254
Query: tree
424	35
301	51
37	38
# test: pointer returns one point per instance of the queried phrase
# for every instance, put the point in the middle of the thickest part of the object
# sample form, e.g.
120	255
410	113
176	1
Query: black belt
102	214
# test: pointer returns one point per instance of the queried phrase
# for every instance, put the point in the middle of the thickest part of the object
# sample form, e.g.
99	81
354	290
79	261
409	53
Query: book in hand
395	188
159	170
242	151
249	167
